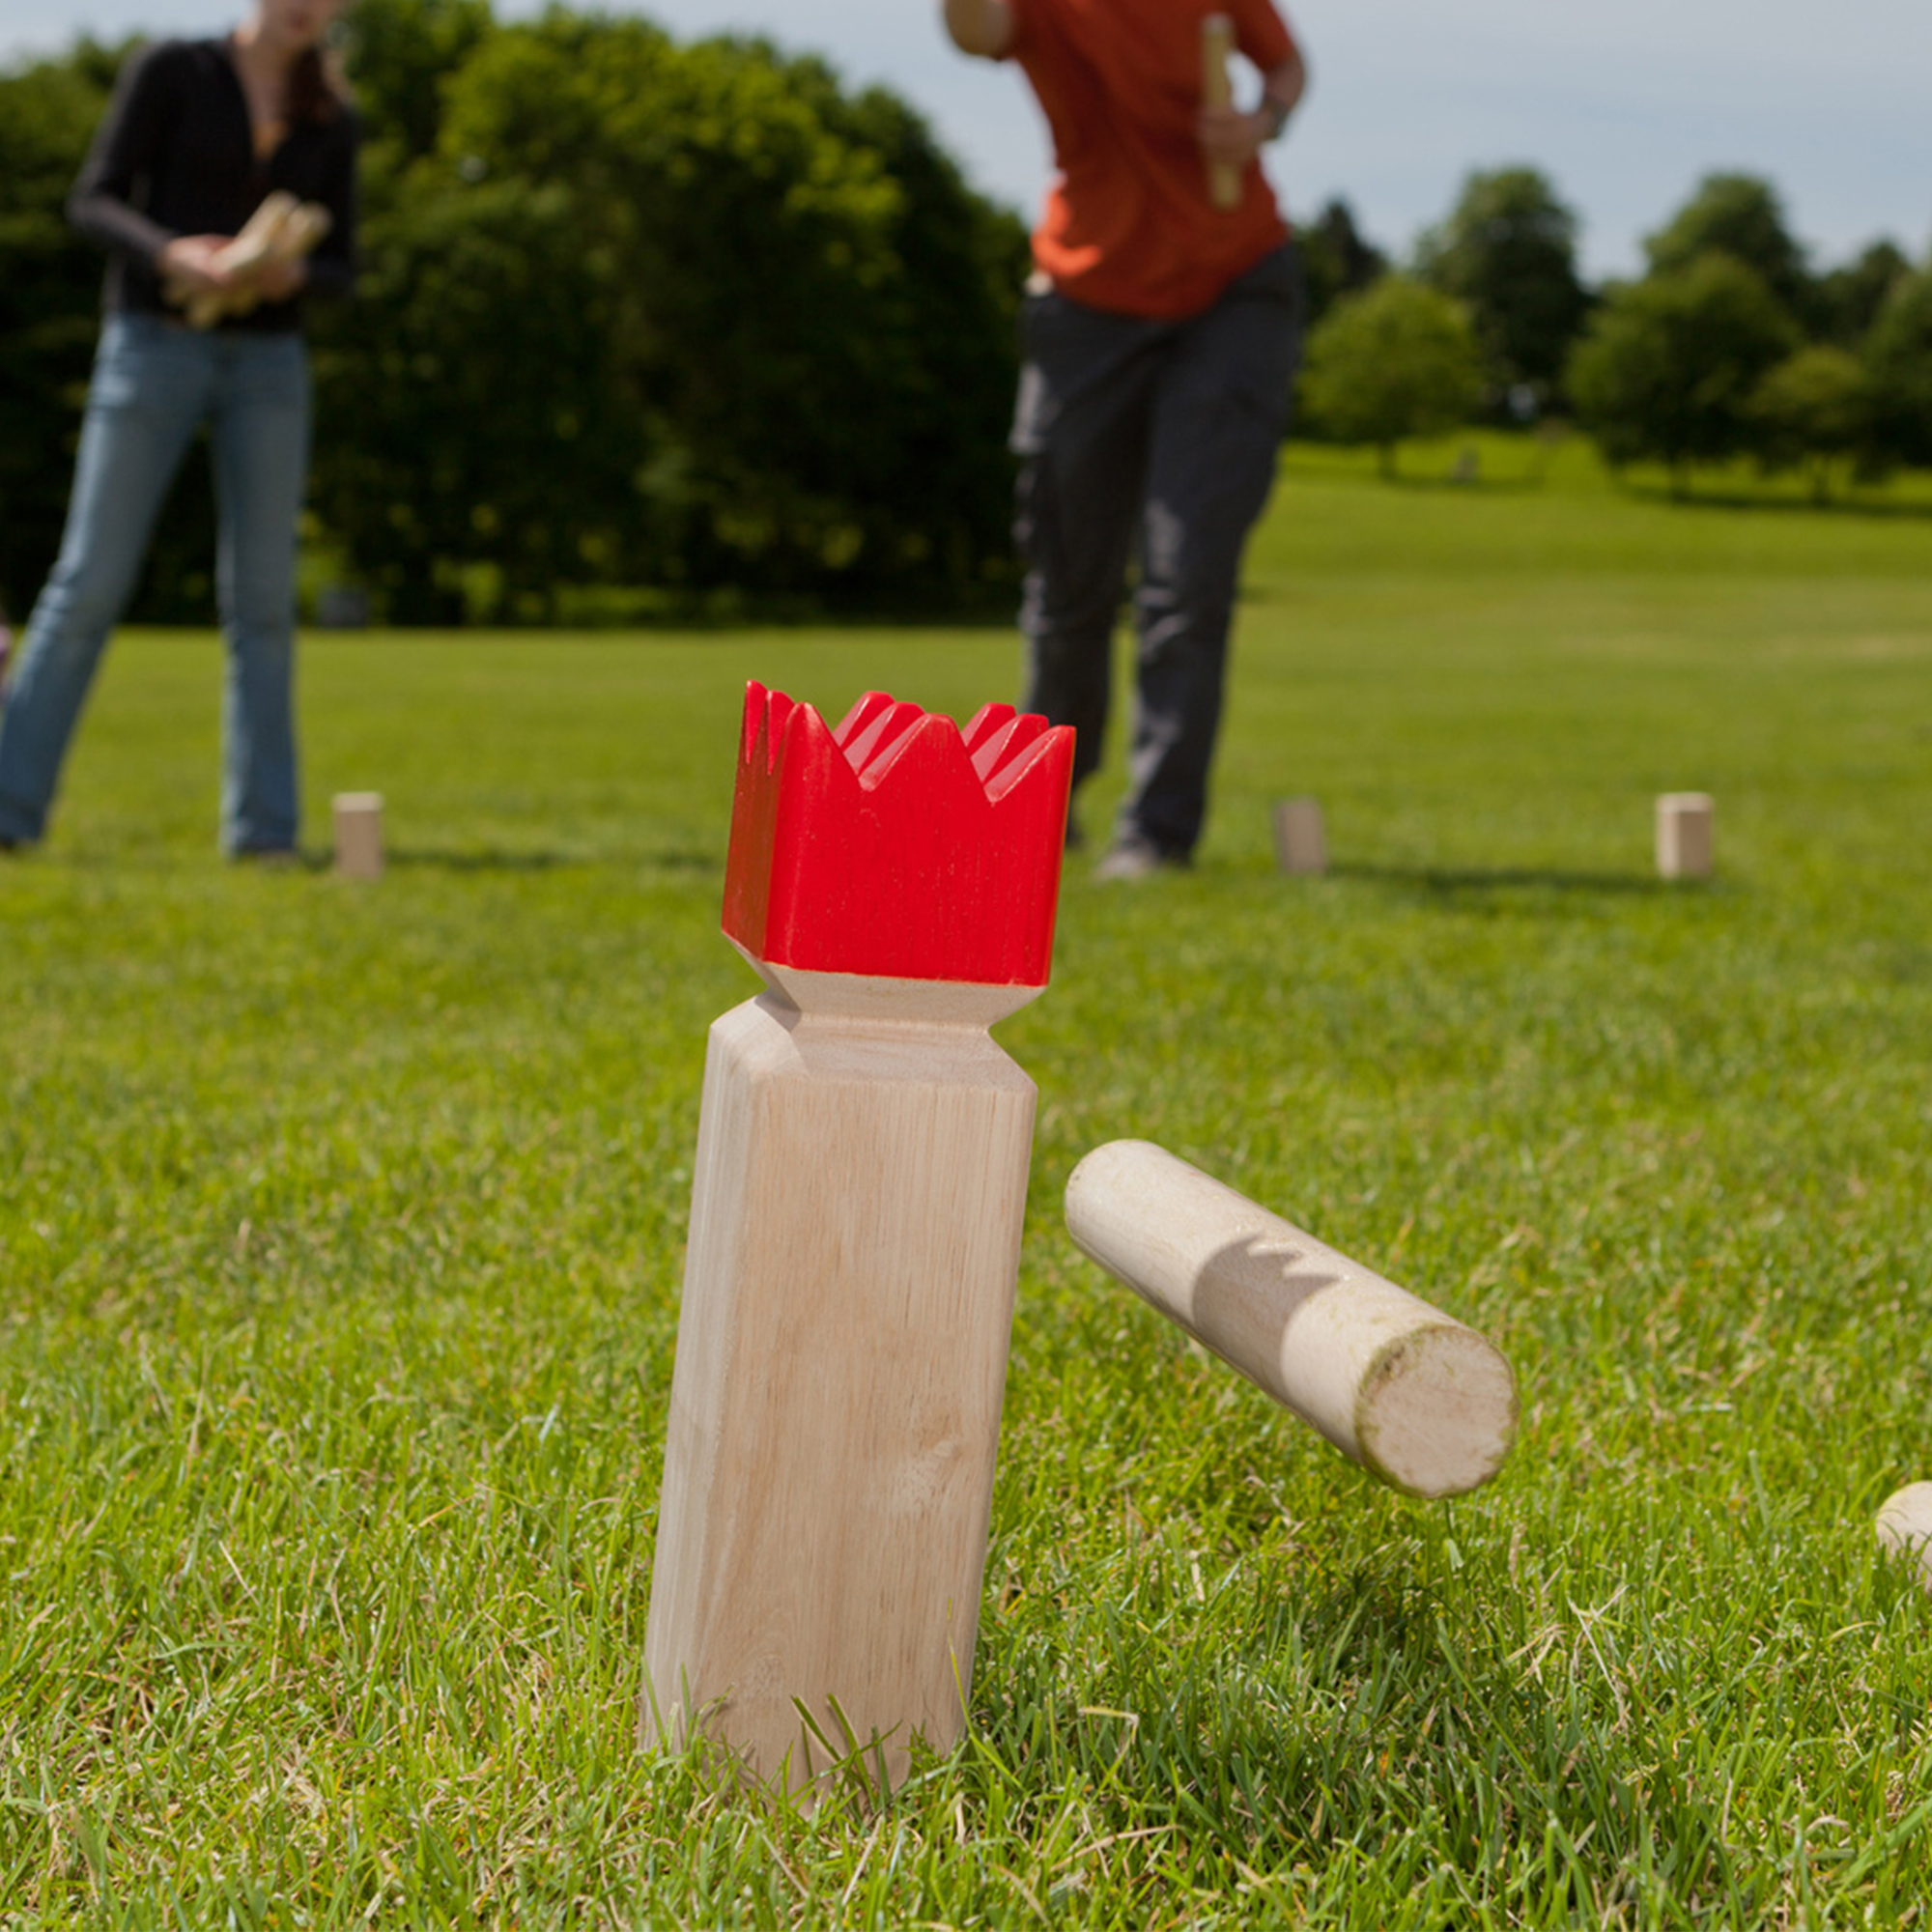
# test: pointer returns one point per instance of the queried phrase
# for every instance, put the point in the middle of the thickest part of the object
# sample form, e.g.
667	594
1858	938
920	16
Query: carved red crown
898	845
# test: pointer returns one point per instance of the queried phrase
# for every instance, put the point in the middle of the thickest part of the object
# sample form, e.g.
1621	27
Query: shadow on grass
492	859
489	860
1447	881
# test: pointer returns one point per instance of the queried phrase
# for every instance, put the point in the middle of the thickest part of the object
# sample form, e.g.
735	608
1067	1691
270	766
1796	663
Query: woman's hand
277	279
191	264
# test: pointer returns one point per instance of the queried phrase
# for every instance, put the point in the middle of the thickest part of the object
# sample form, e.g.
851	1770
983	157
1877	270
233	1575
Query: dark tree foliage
1508	252
1898	365
48	289
1740	216
687	316
1668	367
1849	299
1336	260
403	53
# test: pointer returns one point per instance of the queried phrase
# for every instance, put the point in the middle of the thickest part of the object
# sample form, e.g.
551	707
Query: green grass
342	1231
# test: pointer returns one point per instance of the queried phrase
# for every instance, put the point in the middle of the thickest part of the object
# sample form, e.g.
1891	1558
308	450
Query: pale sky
1624	106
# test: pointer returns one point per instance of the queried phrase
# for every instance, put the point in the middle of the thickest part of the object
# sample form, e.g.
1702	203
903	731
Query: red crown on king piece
901	844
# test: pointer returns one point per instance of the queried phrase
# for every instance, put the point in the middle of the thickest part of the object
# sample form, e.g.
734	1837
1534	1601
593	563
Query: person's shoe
1133	859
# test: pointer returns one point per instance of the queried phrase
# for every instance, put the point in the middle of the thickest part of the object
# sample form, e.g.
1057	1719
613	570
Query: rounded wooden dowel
1905	1526
1405	1390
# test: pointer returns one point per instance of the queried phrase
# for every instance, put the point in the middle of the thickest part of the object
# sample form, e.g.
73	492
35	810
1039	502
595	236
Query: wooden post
857	1202
358	835
1217	45
1905	1526
1405	1390
1683	835
1300	843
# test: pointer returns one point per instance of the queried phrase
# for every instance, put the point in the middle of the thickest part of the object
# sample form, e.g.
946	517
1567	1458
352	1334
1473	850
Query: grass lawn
342	1227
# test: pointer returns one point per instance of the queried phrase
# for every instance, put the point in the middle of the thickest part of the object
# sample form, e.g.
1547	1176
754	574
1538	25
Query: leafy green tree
403	53
1741	216
770	342
1397	360
49	294
1508	252
1812	411
1668	366
1898	362
1850	298
1336	260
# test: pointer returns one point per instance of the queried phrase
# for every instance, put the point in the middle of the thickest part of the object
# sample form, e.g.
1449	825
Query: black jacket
176	155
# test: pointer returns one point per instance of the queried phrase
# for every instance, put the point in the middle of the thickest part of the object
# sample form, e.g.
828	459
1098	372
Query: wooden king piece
856	1208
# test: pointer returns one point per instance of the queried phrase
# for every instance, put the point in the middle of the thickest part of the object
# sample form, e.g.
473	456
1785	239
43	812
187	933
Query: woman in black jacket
200	134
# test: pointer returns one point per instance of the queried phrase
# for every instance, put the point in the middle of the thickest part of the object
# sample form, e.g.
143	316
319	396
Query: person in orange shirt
1161	335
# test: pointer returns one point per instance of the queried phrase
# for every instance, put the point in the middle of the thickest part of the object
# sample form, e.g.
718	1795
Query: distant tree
1812	411
1668	366
1899	364
683	315
1397	360
1741	216
1508	251
1336	261
1849	299
48	289
403	54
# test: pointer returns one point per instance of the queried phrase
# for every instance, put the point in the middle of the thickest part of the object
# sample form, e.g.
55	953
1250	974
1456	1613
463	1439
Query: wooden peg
856	1209
358	835
1300	843
1905	1526
1217	46
1685	836
1398	1386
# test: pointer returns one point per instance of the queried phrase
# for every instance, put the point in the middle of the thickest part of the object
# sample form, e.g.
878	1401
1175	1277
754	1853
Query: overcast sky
1622	105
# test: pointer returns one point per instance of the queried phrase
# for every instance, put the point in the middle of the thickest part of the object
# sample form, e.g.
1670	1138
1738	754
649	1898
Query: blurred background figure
1161	333
199	137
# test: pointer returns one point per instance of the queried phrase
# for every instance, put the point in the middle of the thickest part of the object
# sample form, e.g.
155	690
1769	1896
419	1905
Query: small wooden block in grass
1300	839
1683	835
358	835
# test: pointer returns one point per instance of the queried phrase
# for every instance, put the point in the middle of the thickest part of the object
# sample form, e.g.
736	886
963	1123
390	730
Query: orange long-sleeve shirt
1128	223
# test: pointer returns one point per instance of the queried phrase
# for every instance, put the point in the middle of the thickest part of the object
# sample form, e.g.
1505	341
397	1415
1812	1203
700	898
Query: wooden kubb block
358	835
1685	835
1300	839
857	1204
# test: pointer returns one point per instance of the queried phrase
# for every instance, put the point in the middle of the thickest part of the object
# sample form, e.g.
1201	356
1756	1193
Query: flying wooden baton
1398	1386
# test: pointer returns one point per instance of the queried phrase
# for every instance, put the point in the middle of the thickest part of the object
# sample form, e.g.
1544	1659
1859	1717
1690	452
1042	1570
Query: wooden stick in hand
1217	45
281	229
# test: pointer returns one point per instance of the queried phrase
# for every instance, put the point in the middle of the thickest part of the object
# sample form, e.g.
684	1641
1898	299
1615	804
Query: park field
342	1229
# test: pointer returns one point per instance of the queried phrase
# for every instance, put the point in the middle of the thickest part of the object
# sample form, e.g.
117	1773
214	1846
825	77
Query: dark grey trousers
1156	442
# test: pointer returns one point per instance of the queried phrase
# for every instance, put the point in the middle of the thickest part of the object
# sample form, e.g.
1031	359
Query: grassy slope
342	1231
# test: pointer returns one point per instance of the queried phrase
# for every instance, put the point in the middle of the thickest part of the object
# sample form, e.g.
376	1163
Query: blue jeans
154	384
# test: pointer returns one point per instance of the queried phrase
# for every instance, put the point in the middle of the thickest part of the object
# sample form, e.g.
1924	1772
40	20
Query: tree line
631	313
1729	345
695	316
